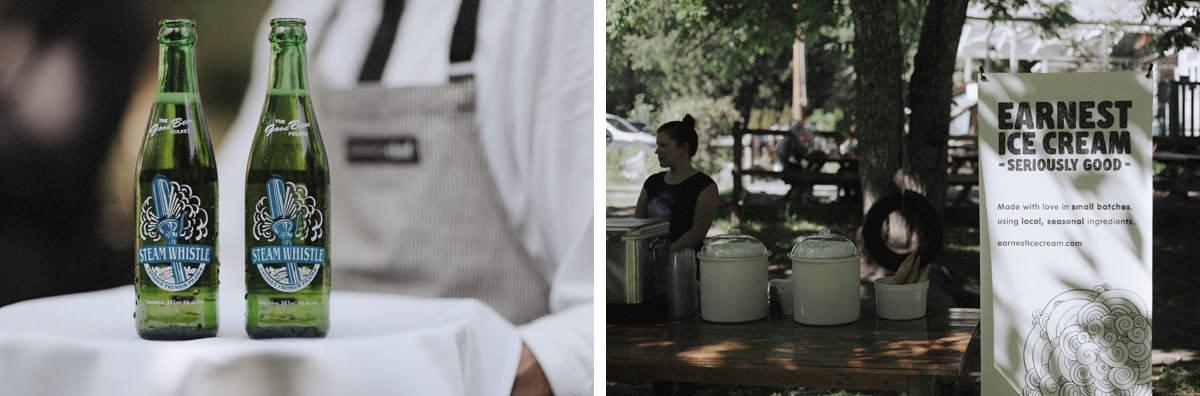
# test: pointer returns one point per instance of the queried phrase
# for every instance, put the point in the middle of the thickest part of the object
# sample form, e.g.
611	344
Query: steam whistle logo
290	215
172	213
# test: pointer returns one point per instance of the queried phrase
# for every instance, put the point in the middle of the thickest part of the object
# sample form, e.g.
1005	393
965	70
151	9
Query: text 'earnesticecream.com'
1029	243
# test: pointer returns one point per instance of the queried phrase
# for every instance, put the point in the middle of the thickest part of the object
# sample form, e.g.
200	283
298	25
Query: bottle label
287	214
173	213
292	128
177	126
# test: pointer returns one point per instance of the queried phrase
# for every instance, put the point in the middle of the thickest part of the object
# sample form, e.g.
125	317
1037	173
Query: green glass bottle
287	202
175	275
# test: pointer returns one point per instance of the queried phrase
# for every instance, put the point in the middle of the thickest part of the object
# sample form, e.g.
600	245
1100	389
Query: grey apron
415	208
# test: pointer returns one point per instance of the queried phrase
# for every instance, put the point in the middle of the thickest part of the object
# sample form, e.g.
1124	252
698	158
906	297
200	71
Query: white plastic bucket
900	302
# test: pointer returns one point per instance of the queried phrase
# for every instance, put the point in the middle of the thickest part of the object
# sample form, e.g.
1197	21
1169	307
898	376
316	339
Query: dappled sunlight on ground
709	352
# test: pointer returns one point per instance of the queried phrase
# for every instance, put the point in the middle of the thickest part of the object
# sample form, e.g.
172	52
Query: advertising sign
1065	218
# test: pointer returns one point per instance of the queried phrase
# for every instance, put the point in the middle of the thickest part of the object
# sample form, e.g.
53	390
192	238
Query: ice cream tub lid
732	246
825	245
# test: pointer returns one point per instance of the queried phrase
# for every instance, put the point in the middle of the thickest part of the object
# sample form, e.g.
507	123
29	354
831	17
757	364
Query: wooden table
870	354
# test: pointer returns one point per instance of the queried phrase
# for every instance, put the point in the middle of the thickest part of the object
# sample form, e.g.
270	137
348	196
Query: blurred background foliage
77	80
227	31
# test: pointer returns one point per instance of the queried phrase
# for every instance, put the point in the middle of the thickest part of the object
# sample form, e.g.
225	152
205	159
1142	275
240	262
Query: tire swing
929	228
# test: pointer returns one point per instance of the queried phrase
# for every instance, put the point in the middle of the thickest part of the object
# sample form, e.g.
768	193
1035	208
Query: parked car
640	125
618	130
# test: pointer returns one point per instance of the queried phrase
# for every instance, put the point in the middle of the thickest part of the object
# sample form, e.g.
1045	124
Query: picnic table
963	155
1179	175
962	165
869	354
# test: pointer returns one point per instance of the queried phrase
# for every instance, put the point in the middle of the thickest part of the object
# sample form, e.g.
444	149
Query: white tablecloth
85	344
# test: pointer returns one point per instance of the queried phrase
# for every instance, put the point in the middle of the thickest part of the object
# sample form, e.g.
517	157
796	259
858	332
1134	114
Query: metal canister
636	250
681	285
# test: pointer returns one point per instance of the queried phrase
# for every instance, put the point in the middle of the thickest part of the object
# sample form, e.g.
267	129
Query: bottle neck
176	69
288	74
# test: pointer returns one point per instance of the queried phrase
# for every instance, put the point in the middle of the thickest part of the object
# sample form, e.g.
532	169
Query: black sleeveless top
676	203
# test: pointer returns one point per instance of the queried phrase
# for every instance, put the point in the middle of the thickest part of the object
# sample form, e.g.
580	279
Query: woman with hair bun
683	195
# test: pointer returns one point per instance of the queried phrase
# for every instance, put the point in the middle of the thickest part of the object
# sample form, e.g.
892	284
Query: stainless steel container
636	251
681	285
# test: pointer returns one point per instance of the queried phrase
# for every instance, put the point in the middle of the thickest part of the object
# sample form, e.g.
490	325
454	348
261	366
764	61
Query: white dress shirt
534	76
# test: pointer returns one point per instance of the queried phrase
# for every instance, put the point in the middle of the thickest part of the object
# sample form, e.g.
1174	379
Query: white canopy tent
1109	36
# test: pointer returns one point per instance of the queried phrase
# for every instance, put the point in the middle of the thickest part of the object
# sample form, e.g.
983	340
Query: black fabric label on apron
396	150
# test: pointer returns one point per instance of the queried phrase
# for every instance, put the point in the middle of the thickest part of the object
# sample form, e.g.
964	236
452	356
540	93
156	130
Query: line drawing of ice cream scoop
169	228
1095	341
283	228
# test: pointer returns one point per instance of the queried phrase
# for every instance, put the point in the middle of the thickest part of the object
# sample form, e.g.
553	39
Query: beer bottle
287	202
175	275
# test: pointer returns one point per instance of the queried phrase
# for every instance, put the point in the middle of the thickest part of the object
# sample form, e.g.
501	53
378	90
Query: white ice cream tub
733	279
825	277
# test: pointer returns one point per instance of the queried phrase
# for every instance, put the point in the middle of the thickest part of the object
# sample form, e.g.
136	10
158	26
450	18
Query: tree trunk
929	93
743	102
878	104
879	101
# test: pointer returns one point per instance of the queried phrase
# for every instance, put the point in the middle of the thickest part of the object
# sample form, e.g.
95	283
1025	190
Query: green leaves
1050	16
1176	38
667	49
